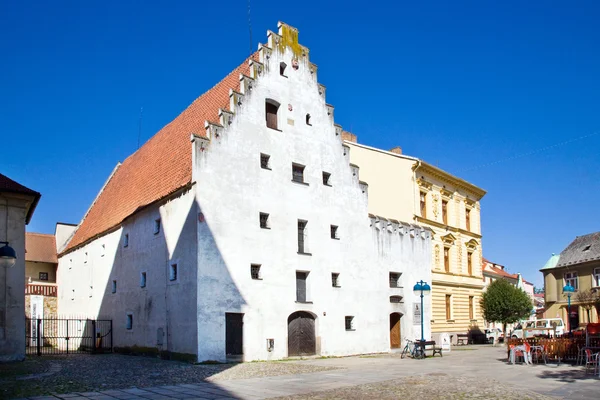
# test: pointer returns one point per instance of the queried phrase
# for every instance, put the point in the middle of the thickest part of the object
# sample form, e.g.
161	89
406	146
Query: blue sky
460	85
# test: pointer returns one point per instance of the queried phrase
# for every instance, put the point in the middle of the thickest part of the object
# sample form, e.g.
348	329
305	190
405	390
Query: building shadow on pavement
568	376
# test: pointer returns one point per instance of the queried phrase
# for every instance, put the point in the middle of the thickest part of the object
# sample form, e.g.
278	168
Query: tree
586	299
505	303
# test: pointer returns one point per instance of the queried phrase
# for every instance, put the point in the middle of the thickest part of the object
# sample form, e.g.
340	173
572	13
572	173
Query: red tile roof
10	186
160	167
40	247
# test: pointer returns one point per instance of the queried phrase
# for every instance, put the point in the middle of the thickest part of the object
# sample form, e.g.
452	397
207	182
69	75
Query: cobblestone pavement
438	386
87	373
465	373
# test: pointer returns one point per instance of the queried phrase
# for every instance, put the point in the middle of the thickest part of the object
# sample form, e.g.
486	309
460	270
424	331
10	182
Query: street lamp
420	289
568	291
8	256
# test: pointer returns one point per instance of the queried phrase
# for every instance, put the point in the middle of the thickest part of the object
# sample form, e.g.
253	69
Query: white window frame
571	278
596	278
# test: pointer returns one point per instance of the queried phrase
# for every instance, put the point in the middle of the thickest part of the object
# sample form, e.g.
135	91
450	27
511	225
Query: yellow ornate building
407	188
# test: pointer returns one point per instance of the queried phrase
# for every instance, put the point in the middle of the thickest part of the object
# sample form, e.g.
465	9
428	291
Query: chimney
397	150
348	136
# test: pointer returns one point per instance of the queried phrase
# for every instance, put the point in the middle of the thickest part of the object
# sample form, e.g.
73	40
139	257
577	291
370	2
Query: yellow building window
445	212
468	219
447	259
471	308
448	306
470	263
423	204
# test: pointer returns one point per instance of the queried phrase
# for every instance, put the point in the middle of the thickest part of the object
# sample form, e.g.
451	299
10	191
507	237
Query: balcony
41	289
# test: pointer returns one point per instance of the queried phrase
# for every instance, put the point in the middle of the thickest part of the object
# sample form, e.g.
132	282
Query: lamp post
420	289
8	256
568	291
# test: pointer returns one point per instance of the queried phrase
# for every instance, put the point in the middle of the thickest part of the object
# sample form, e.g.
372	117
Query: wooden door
395	331
234	334
301	334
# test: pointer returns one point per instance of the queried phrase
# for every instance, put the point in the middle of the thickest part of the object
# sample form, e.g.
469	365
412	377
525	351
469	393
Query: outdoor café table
514	350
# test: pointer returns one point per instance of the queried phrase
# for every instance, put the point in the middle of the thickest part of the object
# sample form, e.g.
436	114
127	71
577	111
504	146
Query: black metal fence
66	336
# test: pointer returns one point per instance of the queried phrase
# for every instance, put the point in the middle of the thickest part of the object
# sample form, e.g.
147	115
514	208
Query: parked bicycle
412	349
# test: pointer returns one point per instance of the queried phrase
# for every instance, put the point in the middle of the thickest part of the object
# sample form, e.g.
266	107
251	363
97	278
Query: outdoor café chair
591	360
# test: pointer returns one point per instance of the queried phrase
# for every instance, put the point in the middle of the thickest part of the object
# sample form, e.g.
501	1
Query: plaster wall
390	179
163	311
13	211
232	189
62	234
33	269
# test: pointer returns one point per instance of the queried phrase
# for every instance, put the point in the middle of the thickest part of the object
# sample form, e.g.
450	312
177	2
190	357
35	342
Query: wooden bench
430	345
462	339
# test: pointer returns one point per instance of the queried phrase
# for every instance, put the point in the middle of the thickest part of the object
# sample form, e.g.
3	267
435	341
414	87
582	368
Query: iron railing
66	336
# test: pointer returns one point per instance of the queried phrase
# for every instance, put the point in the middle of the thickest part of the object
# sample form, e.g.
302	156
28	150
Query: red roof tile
40	247
160	167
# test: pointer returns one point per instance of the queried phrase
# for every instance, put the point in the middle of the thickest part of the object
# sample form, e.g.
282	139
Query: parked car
539	327
490	334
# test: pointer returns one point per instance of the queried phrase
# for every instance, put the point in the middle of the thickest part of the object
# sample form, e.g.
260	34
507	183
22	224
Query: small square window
265	161
157	226
126	240
255	271
85	258
43	276
129	322
102	250
394	279
395	299
264	220
349	323
335	279
308	120
326	179
334	231
173	272
114	286
298	173
143	280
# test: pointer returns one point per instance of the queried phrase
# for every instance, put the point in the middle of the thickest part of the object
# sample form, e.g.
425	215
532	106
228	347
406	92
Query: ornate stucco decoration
448	239
437	255
434	206
446	193
460	251
423	184
472	244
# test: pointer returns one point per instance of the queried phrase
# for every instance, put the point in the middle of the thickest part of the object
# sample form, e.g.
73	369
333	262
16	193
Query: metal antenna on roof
249	27
140	126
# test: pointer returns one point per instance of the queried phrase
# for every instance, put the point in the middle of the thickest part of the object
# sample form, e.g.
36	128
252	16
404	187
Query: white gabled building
241	230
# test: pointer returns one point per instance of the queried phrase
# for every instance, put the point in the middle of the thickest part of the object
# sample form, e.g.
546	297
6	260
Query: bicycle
412	349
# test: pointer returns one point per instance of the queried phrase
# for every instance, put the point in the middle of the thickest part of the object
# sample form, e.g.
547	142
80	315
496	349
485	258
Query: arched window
271	109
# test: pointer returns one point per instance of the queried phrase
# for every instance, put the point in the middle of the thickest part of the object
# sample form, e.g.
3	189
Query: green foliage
505	303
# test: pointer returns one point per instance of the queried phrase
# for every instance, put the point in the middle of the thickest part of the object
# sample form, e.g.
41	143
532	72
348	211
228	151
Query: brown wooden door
301	334
395	331
234	334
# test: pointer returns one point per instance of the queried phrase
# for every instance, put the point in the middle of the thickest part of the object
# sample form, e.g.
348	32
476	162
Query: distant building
493	271
410	189
579	266
240	231
17	204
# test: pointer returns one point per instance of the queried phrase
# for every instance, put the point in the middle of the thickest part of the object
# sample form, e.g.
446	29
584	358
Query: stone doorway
395	333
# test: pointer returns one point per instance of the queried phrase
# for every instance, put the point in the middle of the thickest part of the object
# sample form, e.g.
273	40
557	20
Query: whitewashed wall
232	190
162	307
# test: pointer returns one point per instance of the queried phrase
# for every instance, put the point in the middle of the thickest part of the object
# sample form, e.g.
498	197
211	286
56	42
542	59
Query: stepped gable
161	166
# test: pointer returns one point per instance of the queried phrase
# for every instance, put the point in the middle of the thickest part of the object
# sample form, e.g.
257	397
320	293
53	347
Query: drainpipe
416	191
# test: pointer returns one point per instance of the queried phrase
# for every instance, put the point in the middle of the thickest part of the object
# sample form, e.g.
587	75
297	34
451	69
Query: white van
535	327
